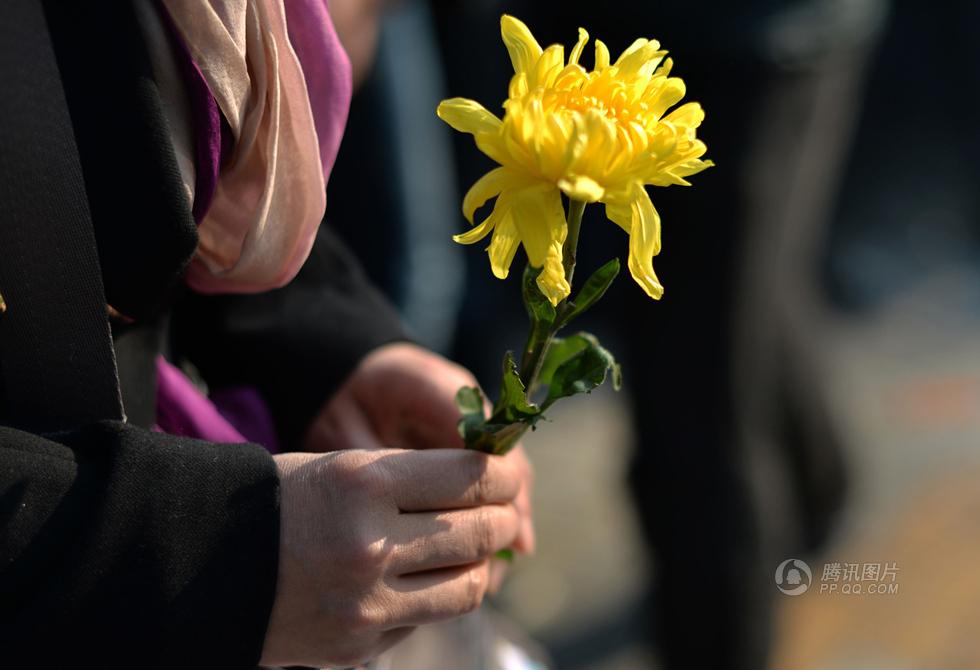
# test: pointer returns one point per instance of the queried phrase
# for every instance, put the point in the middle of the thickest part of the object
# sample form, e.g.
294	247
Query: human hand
403	396
375	542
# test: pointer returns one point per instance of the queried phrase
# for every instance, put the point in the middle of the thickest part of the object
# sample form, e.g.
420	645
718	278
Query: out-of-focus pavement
905	390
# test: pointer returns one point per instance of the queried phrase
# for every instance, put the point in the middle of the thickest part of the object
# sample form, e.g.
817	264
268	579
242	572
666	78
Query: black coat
121	547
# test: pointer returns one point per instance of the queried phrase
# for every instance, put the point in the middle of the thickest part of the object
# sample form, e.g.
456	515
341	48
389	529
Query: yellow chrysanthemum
598	136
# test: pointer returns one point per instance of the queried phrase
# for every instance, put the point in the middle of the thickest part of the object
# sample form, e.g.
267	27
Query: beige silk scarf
270	196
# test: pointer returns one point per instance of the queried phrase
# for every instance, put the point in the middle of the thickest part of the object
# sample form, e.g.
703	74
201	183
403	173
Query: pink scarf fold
282	82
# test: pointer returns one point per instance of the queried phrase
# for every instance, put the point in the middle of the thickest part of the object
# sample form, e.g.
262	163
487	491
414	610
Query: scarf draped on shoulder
276	72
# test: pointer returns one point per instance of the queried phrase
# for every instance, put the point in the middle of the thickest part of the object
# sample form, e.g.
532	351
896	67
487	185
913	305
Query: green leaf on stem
494	438
496	435
576	364
513	404
593	289
469	400
539	308
560	350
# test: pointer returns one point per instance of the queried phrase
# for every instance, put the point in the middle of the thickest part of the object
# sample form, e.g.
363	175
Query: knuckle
356	619
363	617
484	533
477	472
367	555
356	472
477	582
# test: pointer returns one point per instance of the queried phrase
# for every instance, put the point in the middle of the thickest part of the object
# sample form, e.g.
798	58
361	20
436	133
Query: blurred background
809	386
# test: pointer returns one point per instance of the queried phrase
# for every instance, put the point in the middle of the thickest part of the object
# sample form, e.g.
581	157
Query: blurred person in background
395	168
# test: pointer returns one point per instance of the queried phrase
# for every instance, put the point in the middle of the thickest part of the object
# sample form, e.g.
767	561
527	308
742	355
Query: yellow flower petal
476	234
583	39
582	188
540	218
637	44
467	116
552	281
548	67
524	50
489	186
518	86
669	95
640	59
594	136
503	246
620	212
501	210
689	115
601	55
645	244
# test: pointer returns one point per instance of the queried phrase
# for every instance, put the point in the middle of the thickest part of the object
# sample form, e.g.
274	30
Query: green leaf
496	435
513	404
469	400
471	426
593	289
505	555
560	350
577	364
539	308
494	438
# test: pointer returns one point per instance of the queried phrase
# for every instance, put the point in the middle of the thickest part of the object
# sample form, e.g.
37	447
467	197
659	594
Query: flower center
615	107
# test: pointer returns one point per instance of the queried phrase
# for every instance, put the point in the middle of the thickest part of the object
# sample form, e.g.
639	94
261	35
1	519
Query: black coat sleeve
295	344
122	548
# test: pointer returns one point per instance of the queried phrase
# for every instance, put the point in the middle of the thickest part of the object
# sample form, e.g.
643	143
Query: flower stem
537	341
542	333
533	358
569	251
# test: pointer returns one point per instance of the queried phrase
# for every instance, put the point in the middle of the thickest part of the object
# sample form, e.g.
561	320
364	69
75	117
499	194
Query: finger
428	597
342	426
526	538
441	479
412	404
433	417
525	541
498	572
459	537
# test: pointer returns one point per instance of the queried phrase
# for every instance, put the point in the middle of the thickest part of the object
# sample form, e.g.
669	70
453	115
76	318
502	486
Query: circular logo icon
793	577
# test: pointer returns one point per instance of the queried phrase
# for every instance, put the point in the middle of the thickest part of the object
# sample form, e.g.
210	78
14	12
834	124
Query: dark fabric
131	175
295	344
56	317
210	144
119	547
122	548
137	346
